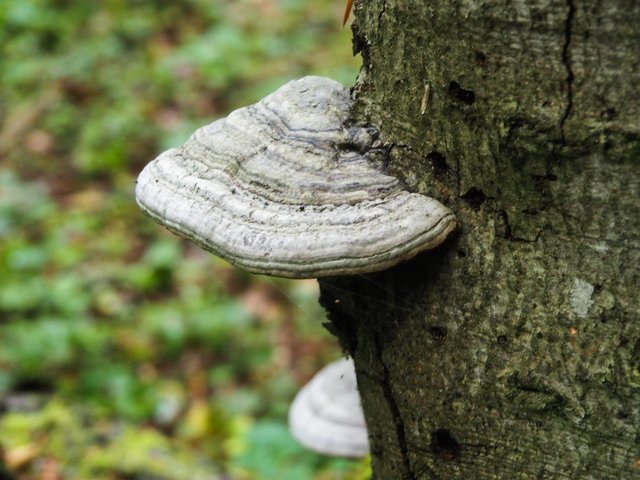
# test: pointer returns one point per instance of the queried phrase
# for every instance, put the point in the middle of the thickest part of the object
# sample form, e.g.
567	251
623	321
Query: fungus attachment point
284	187
326	415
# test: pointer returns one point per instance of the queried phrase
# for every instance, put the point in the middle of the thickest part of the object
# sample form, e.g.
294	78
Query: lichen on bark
513	351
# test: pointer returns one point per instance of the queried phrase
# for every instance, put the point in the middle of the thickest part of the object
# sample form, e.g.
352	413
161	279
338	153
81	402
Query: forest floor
125	352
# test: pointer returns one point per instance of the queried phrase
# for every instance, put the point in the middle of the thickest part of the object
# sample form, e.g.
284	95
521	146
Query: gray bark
513	352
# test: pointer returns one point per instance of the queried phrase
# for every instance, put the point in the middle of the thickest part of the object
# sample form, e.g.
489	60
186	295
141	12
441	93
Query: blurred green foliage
124	352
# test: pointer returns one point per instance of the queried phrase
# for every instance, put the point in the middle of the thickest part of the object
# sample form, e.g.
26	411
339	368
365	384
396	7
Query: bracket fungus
285	187
326	415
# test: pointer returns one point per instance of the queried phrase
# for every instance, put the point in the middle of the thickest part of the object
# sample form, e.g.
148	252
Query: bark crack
407	473
566	60
382	11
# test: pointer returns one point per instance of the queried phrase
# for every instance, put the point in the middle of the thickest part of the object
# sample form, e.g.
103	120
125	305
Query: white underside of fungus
326	415
283	187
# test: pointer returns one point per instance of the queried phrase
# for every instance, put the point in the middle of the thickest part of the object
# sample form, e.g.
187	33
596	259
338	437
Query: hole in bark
481	58
474	197
461	253
438	333
439	163
608	114
621	414
550	177
461	94
444	445
502	339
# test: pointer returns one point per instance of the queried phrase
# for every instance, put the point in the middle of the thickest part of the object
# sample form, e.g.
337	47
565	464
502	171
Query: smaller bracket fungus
285	187
326	415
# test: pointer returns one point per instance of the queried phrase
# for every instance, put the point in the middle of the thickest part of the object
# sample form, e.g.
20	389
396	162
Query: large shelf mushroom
285	187
326	415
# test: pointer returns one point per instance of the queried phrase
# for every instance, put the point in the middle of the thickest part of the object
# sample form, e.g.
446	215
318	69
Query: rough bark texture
514	351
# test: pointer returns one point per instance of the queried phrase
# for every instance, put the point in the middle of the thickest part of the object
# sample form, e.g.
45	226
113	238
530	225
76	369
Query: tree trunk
513	352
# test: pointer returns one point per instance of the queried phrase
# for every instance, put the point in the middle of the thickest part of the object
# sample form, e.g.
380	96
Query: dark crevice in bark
384	9
566	60
508	232
408	473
